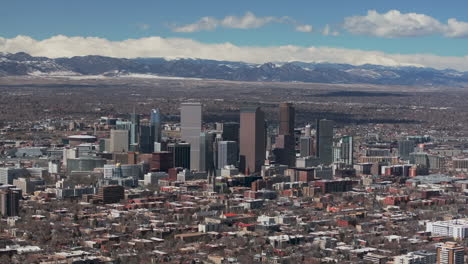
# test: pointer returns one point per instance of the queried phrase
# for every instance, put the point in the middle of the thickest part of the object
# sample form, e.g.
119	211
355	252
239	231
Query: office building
287	119
84	164
123	171
336	153
25	184
405	147
436	162
86	150
306	144
252	139
450	253
152	178
285	145
323	172
227	153
146	139
346	150
155	121
161	161
134	128
229	131
111	193
54	166
8	174
284	150
123	125
207	140
191	122
180	154
9	202
419	158
324	141
119	141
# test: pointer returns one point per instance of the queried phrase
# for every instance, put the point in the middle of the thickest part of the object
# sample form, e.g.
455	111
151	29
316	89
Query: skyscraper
155	120
206	151
306	146
134	129
180	154
324	141
287	119
252	139
119	141
285	142
161	161
405	147
191	122
230	131
450	253
227	153
9	202
346	150
146	138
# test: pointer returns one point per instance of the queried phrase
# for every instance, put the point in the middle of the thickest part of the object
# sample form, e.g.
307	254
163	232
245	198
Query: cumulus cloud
247	21
327	31
392	24
456	29
395	24
172	48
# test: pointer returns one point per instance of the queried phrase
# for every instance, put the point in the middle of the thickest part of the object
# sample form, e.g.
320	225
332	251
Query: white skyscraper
191	122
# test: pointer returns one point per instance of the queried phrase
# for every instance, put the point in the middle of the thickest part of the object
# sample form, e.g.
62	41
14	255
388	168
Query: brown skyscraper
285	143
252	139
287	116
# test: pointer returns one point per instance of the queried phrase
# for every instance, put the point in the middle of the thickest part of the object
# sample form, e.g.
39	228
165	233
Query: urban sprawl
148	189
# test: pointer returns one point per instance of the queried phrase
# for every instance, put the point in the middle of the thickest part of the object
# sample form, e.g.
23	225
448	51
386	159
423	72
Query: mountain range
22	64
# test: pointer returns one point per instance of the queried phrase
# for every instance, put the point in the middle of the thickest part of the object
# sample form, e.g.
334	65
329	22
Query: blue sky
121	20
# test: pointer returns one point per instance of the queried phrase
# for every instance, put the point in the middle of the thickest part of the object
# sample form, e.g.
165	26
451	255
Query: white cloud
392	24
171	48
304	28
395	24
248	21
205	23
456	29
327	31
